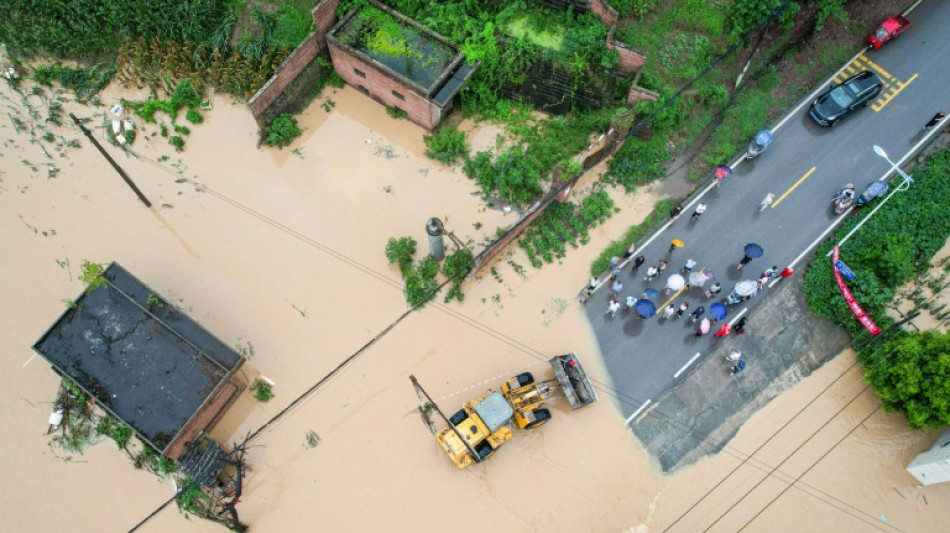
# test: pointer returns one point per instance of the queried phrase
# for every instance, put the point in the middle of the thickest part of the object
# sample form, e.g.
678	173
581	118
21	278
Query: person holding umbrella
724	330
750	252
674	244
645	308
704	326
718	311
674	283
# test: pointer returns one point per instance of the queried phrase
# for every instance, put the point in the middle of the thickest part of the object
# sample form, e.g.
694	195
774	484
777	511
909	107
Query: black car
843	98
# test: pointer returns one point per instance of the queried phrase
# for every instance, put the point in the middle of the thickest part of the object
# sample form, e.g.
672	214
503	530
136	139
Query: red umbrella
724	330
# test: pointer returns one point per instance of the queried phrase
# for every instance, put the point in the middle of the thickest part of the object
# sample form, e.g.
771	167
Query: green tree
911	374
400	251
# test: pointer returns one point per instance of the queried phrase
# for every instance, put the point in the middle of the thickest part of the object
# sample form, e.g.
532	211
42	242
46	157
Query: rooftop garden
400	46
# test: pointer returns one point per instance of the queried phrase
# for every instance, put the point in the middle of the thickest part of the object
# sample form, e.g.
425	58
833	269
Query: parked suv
843	98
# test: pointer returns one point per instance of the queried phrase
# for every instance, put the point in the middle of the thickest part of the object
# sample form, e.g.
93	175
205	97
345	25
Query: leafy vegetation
115	430
85	82
282	131
911	374
564	224
892	246
262	390
396	113
638	162
457	262
446	145
895	244
400	251
91	275
192	499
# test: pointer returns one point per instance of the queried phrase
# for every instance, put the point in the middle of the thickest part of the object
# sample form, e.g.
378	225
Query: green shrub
456	263
262	391
177	142
446	145
911	374
293	24
193	116
115	430
396	113
182	129
421	283
639	161
401	251
282	131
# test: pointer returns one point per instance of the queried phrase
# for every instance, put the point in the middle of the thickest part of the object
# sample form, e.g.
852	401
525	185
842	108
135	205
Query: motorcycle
843	199
759	143
875	190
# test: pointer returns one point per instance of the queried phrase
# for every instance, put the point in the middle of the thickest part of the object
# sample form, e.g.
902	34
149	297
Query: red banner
859	313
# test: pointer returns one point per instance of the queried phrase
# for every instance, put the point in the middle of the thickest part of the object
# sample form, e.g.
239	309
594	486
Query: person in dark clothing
740	325
675	212
637	262
935	120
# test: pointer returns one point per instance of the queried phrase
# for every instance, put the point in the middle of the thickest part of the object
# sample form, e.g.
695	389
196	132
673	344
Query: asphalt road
643	356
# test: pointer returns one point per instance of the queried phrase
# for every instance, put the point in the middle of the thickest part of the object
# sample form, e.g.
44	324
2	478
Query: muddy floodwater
280	252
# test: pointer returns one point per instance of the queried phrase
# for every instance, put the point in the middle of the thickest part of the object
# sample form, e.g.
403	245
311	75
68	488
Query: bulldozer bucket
573	380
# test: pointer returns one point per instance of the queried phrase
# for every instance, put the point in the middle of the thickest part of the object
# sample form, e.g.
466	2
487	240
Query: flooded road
282	252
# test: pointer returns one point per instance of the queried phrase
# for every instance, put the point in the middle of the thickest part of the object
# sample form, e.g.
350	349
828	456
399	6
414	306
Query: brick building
398	62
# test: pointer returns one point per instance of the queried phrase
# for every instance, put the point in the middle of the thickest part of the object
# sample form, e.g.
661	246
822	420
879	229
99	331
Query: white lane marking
680	371
911	8
635	413
739	314
28	360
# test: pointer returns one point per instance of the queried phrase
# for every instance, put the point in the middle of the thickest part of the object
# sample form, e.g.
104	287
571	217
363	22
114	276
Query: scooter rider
846	194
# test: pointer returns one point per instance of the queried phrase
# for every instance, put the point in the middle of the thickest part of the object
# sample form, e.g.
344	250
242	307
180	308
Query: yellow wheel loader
483	425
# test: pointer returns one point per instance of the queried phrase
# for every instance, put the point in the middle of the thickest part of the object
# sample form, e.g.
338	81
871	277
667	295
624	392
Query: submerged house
398	62
144	362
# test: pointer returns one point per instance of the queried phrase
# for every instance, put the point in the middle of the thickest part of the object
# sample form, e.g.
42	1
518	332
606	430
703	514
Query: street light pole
902	187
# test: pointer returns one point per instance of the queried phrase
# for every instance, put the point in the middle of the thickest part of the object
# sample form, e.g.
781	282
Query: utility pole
435	229
111	161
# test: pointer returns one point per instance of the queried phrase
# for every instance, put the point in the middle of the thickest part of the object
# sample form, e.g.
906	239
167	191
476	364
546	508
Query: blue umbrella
753	250
646	308
651	293
718	311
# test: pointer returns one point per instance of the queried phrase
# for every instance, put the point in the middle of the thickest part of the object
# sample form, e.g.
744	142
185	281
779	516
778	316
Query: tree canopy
911	374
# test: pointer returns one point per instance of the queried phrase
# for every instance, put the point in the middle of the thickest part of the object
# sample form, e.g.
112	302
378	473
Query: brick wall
286	73
382	86
631	59
485	260
639	94
324	17
608	15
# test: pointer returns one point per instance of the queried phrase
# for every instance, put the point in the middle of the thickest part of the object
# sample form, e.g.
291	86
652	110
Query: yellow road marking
876	67
792	188
884	100
666	303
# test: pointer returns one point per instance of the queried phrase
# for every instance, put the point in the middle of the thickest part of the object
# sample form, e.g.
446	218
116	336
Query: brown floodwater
282	251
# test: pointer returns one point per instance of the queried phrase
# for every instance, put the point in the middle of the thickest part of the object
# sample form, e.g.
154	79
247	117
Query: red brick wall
639	94
286	73
324	17
606	12
381	86
519	228
631	59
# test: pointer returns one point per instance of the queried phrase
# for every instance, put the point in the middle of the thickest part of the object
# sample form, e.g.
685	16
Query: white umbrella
676	282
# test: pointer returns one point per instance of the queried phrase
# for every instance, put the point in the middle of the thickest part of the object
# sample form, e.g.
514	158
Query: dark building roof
145	362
